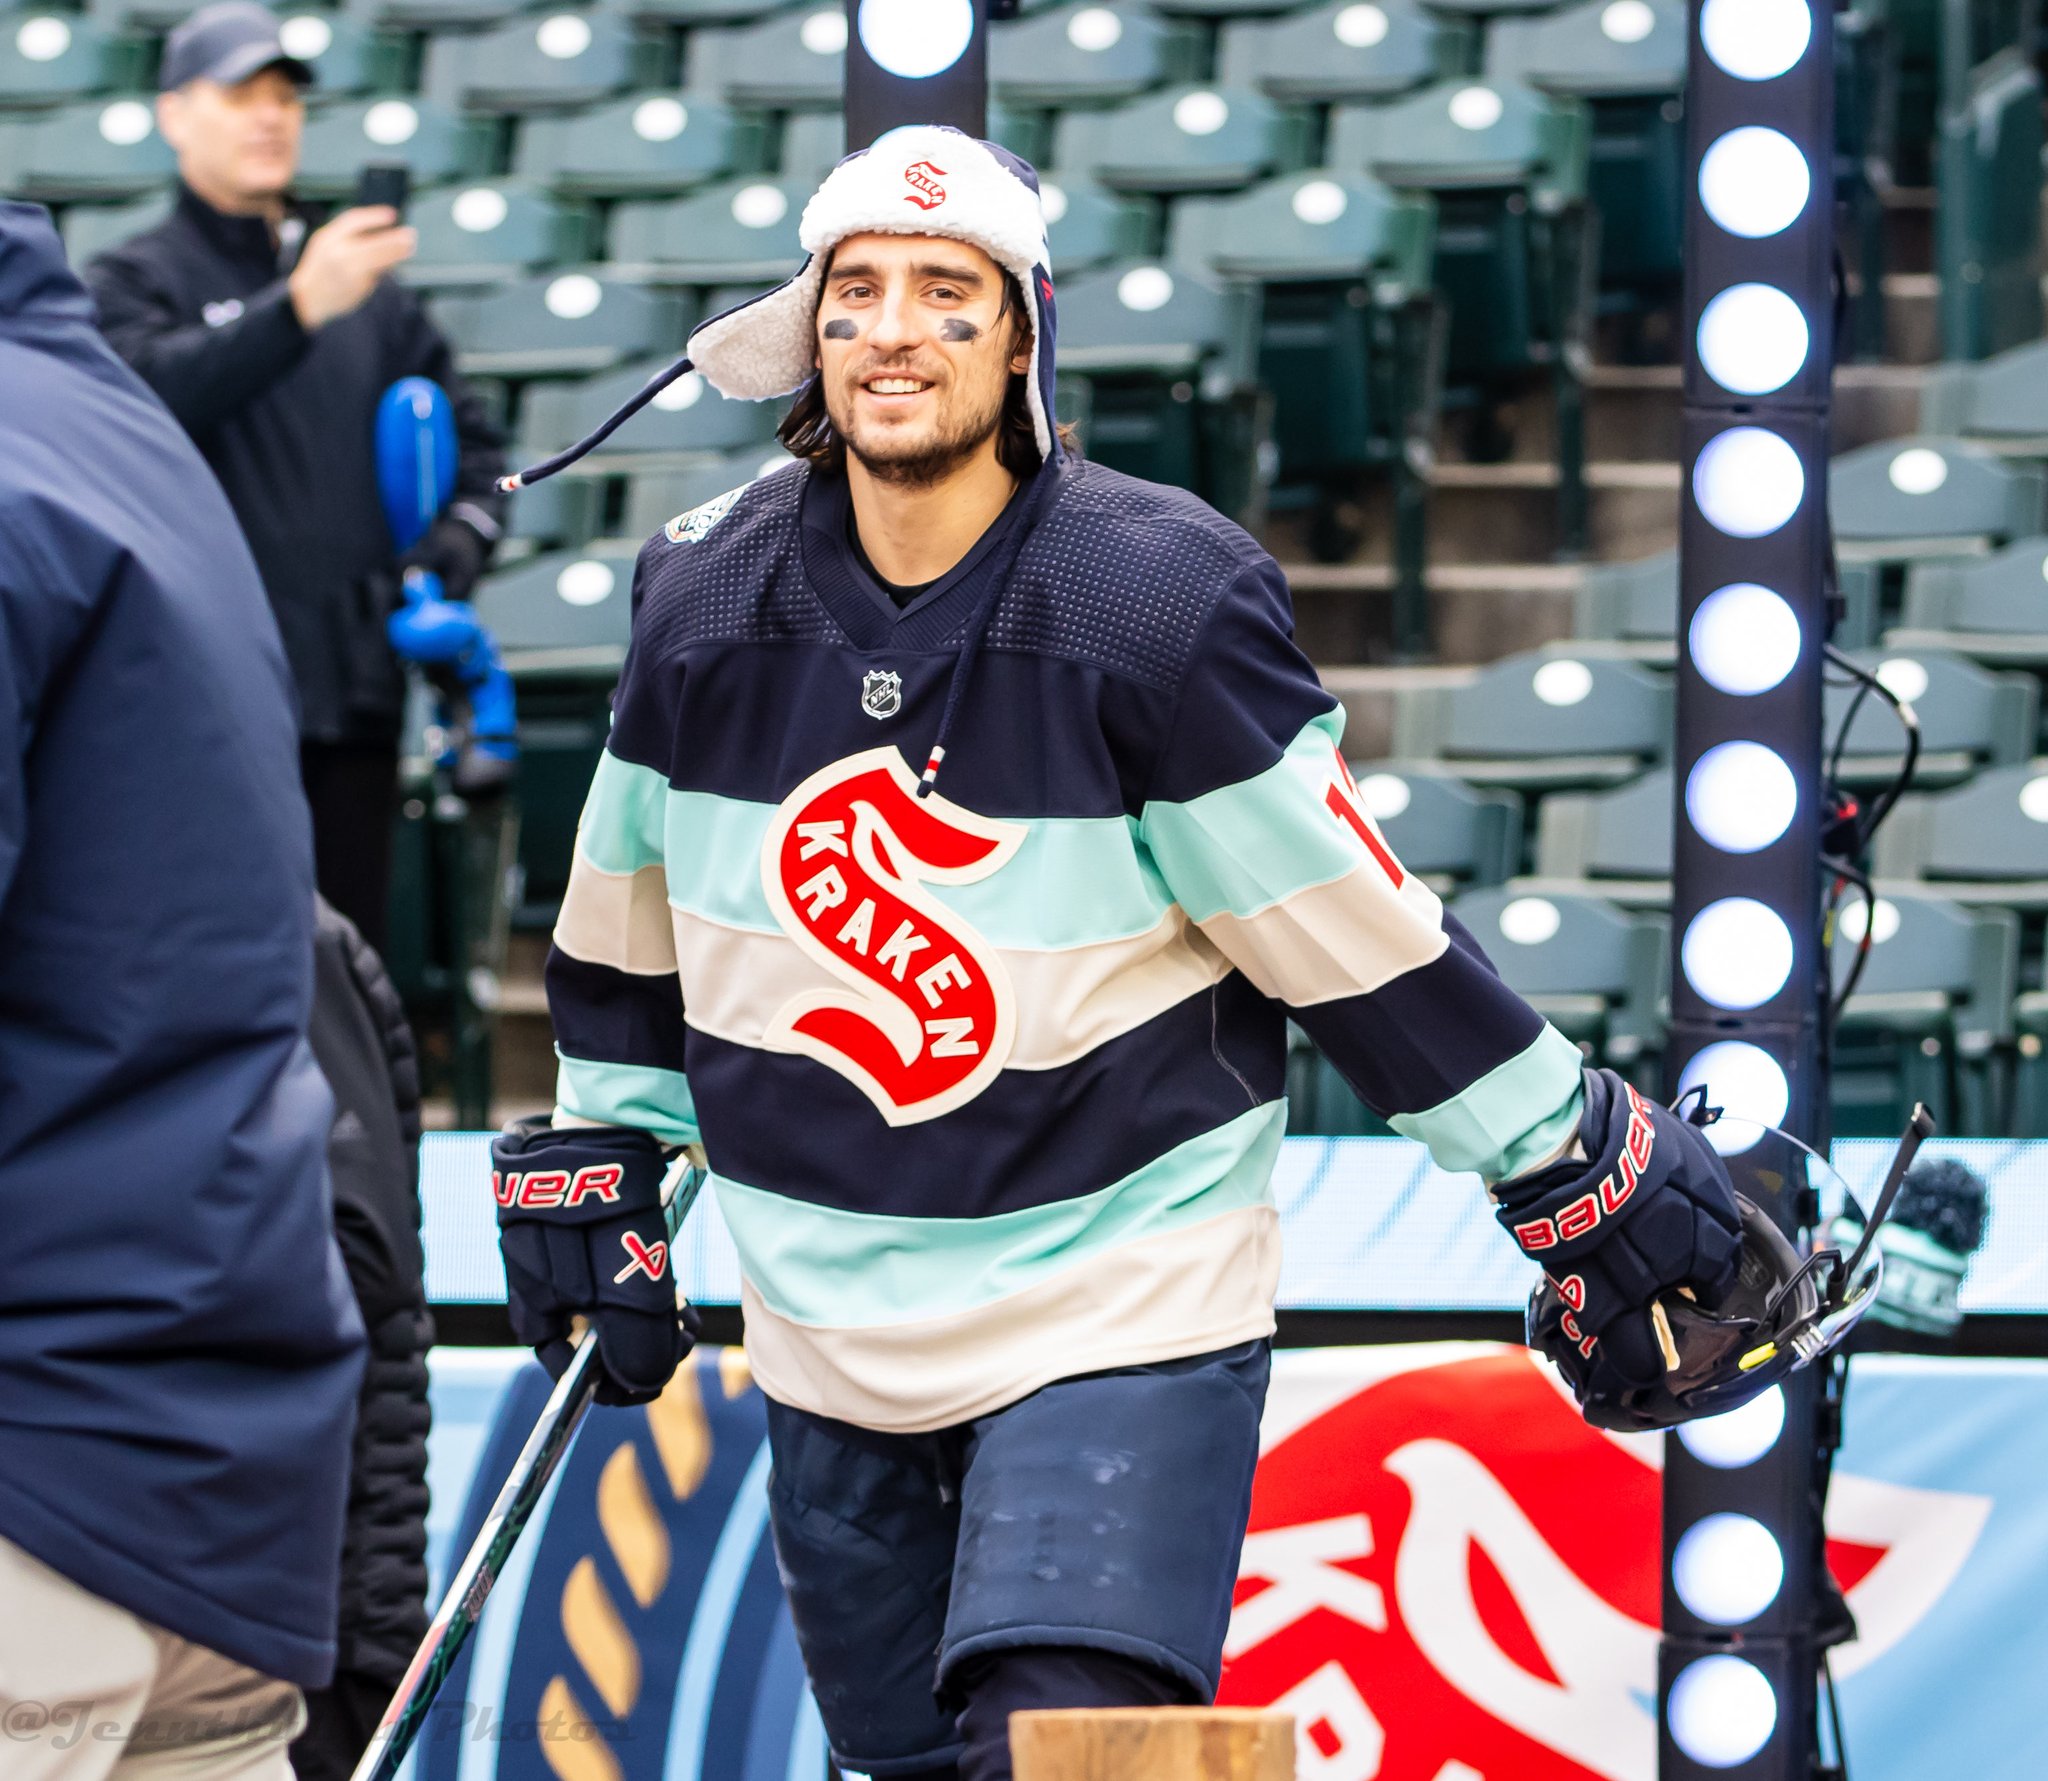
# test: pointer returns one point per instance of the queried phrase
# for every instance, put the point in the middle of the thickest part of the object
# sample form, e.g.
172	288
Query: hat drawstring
547	467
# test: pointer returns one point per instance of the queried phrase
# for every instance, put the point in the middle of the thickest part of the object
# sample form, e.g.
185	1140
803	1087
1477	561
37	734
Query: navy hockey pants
1077	1548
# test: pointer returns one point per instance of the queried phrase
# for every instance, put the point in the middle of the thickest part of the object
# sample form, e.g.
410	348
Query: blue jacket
179	1349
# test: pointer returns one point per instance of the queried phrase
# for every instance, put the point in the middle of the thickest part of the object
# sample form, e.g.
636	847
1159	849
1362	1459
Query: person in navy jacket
179	1347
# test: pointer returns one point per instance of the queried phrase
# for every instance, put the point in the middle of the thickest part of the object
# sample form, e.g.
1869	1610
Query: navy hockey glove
1651	1212
454	551
584	1233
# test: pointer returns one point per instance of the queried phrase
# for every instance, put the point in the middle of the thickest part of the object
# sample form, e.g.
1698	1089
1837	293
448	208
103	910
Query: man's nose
896	324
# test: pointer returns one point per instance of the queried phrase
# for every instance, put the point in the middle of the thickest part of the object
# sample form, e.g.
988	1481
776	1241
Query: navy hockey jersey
990	1081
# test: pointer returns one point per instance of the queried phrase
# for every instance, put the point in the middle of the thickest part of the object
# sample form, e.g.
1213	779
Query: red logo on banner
1450	1577
928	1018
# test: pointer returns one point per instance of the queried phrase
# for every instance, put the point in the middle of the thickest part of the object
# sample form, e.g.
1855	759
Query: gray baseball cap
228	43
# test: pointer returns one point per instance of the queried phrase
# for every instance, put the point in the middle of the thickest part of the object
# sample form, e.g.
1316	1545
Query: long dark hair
807	431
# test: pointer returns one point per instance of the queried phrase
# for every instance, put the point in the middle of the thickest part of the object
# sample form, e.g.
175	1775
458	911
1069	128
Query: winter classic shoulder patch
687	528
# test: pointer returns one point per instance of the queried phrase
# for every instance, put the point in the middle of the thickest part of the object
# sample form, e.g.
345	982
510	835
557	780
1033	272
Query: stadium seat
1626	59
2002	401
1185	139
1345	50
1617	843
433	15
1507	167
704	12
559	322
436	142
1932	1015
688	418
1167	360
493	231
346	56
1086	225
562	511
1984	841
49	58
1968	716
1994	609
1089	55
1633	606
1453	834
91	229
647	144
1539	722
813	143
656	496
1930	496
740	232
788	61
1591	968
99	149
1988	181
1348	336
540	61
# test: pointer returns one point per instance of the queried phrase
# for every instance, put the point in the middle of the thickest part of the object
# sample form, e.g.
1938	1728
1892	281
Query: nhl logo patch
881	693
687	528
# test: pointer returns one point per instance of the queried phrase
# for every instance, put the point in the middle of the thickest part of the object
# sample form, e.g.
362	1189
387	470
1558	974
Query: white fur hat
922	179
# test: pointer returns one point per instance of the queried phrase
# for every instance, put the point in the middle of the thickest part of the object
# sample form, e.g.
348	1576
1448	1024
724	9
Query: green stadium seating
1086	225
740	232
1507	167
656	496
50	58
1994	609
813	143
1969	717
1984	841
1185	139
1345	50
494	231
1594	970
688	418
541	61
1539	722
1988	216
433	15
435	141
1932	1014
647	144
704	12
562	511
1616	843
1089	54
346	56
91	229
562	322
1453	834
102	148
1631	605
1347	337
788	61
1930	496
2003	401
1626	59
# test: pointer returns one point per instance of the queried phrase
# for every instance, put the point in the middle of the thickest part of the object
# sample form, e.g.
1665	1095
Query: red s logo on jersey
928	1017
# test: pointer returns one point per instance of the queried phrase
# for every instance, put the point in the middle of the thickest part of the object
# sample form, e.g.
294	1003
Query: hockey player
969	829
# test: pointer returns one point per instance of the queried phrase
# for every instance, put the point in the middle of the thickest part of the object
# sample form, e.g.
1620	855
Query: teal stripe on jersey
1514	1117
1074	881
621	827
657	1101
819	1265
1244	847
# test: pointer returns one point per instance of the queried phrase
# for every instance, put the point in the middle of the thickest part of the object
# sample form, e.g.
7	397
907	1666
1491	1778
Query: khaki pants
89	1692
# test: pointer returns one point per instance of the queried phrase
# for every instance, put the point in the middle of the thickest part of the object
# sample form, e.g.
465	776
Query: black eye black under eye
839	328
958	327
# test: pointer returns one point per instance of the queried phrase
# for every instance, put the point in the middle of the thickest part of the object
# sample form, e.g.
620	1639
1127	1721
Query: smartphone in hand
385	182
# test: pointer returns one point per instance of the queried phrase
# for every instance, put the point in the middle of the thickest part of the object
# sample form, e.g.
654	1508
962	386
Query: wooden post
1153	1744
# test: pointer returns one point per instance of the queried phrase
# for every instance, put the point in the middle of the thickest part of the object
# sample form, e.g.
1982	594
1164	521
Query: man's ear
170	118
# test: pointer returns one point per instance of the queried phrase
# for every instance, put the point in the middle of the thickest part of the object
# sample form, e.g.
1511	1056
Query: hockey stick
462	1604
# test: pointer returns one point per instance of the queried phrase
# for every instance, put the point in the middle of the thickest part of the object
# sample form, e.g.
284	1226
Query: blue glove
584	1233
1652	1211
430	629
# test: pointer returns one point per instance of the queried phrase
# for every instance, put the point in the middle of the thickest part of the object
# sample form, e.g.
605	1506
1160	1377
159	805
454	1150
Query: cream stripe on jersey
618	919
1067	1003
1344	938
1189	1291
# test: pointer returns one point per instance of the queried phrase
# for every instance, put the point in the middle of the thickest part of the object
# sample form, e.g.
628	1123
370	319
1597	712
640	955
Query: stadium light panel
1744	639
1728	1568
1722	1711
1741	796
1753	339
1754	182
1737	952
1738	1437
1755	39
915	39
1747	1081
1748	481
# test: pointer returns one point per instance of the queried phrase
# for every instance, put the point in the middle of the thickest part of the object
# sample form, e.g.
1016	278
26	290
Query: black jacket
365	1049
198	305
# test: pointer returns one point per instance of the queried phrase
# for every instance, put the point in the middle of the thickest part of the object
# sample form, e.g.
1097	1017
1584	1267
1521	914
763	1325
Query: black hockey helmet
1784	1312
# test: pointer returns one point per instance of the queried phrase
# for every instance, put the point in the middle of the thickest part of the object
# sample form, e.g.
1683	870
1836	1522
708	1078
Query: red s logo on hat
927	193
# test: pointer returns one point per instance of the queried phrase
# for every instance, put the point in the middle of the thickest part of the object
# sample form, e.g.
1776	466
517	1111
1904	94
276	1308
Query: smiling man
969	829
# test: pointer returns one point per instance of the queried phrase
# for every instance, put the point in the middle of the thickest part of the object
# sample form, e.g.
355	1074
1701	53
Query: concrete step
1343	612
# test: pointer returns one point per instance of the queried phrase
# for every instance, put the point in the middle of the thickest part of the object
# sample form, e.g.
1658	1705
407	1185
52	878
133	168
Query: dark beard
945	453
